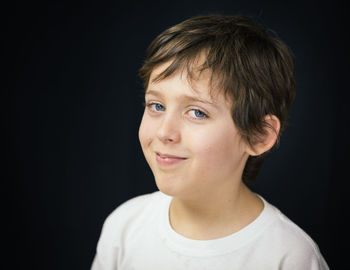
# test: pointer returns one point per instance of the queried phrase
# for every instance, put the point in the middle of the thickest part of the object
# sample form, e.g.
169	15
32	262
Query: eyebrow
183	97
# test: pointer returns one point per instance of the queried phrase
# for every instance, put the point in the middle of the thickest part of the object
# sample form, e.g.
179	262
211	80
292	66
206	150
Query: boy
218	89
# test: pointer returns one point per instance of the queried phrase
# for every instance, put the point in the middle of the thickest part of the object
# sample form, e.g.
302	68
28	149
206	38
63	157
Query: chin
169	186
166	188
174	188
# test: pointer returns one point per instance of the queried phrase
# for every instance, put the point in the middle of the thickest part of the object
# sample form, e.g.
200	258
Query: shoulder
123	225
131	215
134	209
135	204
296	248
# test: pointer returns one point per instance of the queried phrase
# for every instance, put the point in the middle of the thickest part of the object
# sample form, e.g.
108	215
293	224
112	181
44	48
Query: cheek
217	149
145	131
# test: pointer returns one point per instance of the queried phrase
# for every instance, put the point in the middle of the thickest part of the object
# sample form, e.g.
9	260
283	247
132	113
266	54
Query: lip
168	160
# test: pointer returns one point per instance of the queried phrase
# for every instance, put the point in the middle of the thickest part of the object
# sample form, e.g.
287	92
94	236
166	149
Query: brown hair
253	68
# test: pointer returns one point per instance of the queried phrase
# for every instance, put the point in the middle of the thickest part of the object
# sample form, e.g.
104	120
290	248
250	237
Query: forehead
200	81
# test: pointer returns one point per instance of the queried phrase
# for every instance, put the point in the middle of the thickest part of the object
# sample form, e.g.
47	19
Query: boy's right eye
156	107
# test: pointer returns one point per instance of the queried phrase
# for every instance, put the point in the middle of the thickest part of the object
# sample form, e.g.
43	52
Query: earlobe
264	142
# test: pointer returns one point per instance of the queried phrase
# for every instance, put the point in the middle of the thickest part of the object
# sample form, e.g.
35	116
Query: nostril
168	136
169	129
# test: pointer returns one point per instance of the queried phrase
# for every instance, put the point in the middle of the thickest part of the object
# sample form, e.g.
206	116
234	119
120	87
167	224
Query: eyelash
151	104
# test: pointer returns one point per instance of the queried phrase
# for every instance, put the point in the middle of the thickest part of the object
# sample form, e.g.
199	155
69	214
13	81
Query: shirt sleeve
96	264
304	259
106	256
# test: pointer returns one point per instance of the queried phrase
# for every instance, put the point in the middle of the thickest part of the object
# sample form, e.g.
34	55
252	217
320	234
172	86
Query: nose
169	129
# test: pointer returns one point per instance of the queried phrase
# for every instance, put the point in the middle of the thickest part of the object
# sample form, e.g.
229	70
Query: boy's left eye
197	113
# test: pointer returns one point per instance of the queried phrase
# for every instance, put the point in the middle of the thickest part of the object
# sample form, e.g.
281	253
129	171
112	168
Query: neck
215	216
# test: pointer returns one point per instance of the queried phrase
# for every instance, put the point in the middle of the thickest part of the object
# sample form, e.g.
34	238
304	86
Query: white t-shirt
138	236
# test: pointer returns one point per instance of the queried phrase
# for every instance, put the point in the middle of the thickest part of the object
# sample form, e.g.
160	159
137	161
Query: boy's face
189	138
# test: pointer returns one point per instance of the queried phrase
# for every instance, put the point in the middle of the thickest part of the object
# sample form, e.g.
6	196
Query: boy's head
250	68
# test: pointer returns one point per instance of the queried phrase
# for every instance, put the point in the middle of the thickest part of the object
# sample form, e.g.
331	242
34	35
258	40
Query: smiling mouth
168	160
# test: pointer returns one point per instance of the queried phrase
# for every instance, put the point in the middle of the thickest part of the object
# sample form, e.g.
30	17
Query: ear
266	141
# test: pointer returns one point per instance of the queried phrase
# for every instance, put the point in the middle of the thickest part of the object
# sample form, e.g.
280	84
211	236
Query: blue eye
159	107
198	114
156	107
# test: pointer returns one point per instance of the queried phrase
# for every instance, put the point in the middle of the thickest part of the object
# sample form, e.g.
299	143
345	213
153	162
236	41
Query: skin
197	156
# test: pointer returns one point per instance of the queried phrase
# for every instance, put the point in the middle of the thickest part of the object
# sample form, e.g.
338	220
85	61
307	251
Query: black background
72	103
